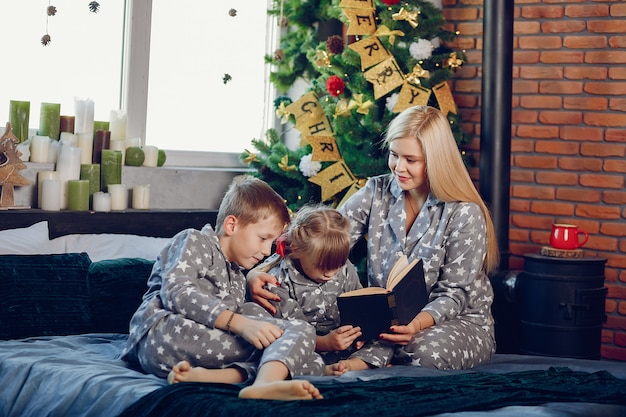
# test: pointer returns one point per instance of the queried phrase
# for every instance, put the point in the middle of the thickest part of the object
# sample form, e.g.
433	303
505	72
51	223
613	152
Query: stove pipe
495	123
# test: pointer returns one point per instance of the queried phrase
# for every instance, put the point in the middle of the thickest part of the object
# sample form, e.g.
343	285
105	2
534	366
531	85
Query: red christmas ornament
390	2
335	86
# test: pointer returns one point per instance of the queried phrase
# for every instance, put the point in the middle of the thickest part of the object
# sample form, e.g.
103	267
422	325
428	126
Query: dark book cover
375	313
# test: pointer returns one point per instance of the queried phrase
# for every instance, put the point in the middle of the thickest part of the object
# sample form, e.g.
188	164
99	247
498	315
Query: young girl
313	269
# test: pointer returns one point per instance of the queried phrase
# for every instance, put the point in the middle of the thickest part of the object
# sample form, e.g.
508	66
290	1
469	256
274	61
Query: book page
364	291
400	265
397	277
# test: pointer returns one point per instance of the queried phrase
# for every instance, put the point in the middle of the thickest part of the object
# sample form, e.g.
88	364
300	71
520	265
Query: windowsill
176	158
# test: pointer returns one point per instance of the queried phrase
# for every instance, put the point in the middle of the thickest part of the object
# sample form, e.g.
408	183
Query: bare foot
295	389
183	372
341	367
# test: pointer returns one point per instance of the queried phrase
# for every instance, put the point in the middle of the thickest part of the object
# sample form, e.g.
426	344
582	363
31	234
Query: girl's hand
339	339
256	281
259	333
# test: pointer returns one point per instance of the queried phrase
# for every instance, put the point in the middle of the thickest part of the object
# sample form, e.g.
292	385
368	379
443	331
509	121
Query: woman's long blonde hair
447	175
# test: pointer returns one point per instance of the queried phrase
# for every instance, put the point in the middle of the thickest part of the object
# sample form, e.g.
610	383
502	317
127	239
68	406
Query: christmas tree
386	55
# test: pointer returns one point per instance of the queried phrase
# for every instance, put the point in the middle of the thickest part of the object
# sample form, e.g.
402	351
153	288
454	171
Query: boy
192	324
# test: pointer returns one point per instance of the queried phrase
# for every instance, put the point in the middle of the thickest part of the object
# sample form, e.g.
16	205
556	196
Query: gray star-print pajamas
451	240
305	299
191	284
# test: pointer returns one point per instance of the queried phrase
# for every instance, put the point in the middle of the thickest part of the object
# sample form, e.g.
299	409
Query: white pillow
111	246
32	240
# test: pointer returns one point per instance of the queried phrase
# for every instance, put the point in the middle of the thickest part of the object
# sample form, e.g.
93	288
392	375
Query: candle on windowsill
19	115
39	146
41	177
85	143
91	173
84	110
119	145
117	124
141	197
101	201
102	140
152	156
51	195
50	120
78	195
119	197
67	124
110	168
68	138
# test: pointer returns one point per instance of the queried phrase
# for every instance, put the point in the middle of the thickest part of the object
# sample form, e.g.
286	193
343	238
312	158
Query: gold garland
380	69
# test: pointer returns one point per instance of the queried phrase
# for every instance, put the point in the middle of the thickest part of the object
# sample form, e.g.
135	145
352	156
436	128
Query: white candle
85	143
41	177
119	145
101	201
117	125
68	138
39	148
84	115
119	196
51	195
68	167
53	151
152	156
141	197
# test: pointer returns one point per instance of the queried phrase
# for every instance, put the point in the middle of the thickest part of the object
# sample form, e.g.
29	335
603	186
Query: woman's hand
402	335
339	339
256	282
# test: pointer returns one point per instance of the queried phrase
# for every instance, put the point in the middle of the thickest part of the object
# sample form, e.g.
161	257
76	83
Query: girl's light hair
447	175
321	234
251	200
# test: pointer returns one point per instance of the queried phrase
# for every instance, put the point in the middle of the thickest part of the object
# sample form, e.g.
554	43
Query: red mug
567	236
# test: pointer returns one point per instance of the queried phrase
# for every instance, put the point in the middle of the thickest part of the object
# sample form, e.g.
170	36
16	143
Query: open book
375	309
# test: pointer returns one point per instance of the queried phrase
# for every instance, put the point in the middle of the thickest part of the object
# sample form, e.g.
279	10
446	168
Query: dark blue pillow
44	295
116	287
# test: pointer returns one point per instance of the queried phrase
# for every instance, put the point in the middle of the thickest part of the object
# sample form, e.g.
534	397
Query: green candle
111	168
50	120
19	115
78	195
91	173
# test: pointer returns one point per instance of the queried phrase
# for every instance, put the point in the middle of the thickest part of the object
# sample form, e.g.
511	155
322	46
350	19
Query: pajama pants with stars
456	344
175	338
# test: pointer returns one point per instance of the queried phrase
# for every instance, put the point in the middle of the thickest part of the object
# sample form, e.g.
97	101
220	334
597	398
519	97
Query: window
164	62
206	89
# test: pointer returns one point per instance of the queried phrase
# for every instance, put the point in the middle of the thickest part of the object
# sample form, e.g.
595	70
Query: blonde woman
427	207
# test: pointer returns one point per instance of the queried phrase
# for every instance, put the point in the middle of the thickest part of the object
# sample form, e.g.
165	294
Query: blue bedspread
69	376
83	376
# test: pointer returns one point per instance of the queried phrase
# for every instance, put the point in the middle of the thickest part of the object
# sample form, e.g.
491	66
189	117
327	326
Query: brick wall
568	161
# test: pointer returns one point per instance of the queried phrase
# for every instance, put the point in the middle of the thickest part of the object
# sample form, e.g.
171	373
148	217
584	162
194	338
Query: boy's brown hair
251	200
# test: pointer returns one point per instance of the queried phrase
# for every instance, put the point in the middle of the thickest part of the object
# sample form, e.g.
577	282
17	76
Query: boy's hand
339	339
256	281
259	333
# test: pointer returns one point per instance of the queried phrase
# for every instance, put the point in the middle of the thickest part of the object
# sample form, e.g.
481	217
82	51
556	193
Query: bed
82	374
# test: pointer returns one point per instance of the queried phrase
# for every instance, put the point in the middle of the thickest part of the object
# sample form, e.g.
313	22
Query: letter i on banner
333	179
